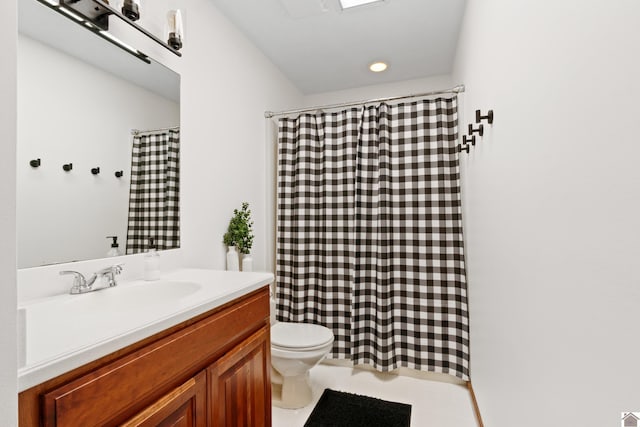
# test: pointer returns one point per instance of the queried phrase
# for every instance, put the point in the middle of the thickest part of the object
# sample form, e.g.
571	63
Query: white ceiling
322	48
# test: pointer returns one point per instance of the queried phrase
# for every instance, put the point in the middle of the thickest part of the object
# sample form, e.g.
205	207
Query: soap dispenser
152	262
114	251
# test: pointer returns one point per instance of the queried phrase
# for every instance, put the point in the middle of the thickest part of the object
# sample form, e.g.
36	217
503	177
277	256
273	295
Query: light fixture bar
346	4
126	20
96	30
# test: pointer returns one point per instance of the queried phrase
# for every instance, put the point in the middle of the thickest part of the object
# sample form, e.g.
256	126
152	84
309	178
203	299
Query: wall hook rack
67	167
469	139
479	130
488	117
462	148
119	174
35	163
95	171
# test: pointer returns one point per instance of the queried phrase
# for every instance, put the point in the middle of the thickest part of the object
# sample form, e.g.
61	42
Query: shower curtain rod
137	132
455	89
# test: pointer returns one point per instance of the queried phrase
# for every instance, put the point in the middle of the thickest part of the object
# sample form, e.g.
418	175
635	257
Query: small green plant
239	232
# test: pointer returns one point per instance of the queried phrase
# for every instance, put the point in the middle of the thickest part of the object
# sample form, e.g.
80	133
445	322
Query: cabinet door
185	406
240	384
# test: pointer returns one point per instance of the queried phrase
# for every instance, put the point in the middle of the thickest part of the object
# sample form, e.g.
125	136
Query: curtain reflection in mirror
154	193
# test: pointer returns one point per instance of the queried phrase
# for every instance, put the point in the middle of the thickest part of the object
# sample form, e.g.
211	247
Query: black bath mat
339	409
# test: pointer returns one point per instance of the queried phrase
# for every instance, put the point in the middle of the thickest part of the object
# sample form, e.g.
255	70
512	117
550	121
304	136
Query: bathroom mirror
79	98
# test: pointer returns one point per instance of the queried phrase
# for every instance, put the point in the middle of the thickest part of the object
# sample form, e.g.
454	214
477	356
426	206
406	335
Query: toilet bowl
295	349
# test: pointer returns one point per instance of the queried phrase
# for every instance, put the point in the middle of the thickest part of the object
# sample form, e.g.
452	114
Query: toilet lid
300	335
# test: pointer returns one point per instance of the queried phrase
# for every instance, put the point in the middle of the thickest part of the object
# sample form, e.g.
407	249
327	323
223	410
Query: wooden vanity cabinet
213	370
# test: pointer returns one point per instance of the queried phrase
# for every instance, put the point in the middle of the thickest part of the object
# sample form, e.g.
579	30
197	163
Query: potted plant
239	235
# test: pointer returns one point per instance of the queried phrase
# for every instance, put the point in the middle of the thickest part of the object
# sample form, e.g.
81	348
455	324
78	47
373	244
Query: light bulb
175	30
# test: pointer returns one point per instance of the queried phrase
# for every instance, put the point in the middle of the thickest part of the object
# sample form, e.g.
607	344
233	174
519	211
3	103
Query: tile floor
434	403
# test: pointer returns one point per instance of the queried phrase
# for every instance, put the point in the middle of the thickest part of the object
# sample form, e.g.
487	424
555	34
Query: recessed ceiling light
353	3
378	67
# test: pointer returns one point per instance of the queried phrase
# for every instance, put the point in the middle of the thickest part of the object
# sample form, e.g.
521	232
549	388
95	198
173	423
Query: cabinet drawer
184	406
114	392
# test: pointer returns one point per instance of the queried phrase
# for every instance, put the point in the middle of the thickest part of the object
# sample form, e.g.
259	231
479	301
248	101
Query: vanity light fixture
100	23
378	67
174	29
131	9
120	42
96	28
346	4
70	14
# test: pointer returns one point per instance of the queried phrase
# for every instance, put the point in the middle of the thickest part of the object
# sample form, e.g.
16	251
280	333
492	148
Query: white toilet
295	349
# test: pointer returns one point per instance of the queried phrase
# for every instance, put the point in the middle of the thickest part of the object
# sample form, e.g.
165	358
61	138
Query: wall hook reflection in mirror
488	117
35	163
95	171
67	167
119	174
479	130
469	139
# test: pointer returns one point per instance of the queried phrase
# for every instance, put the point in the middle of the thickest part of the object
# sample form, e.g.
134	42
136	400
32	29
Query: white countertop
64	332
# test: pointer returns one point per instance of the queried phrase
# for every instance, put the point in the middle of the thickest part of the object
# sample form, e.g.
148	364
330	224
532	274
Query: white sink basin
62	320
138	295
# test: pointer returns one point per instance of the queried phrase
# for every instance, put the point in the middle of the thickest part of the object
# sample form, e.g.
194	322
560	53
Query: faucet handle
117	268
112	269
77	277
79	282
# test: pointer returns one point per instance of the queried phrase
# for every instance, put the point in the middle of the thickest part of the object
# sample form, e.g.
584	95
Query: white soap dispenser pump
152	262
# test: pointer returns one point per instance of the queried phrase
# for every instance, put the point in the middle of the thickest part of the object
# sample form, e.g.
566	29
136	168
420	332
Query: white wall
8	357
65	216
552	201
227	86
406	87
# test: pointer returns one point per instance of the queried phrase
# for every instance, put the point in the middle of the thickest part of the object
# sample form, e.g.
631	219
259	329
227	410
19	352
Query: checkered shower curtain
154	193
369	234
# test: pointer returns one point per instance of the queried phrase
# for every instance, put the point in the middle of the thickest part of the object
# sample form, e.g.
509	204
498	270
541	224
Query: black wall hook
479	131
67	167
95	171
469	139
464	147
35	163
488	117
119	174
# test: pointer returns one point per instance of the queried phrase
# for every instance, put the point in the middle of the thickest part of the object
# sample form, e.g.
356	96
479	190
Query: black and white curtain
369	234
154	210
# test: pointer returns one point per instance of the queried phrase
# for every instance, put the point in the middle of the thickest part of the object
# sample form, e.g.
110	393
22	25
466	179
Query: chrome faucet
82	285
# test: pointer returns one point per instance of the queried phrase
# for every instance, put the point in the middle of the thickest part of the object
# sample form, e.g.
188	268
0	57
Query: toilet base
294	392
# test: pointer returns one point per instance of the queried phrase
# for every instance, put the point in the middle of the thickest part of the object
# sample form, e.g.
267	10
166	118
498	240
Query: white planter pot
232	259
247	262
